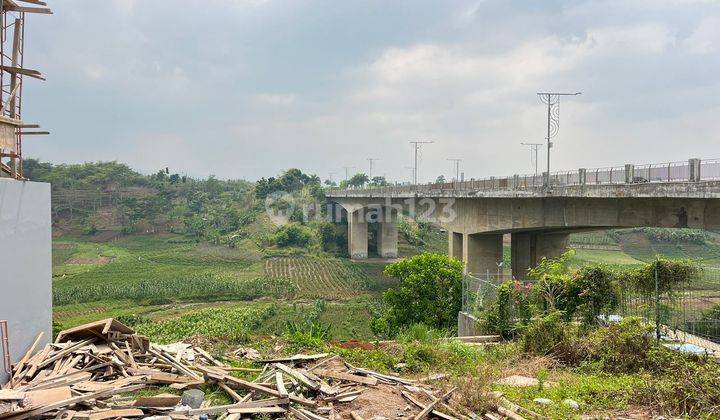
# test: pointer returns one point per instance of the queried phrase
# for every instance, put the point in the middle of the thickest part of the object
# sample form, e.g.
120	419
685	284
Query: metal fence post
694	165
657	303
582	176
629	173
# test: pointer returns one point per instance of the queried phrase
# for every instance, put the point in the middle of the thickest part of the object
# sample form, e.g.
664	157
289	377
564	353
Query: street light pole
552	100
418	145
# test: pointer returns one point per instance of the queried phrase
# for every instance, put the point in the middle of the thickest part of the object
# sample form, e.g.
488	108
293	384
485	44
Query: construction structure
25	224
12	74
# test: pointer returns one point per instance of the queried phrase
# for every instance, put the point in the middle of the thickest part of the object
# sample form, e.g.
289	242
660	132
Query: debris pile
94	372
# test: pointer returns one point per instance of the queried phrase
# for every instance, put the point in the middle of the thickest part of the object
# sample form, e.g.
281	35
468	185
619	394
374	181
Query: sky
249	88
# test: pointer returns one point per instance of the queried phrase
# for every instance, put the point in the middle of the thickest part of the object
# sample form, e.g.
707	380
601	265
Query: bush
591	292
429	293
510	311
671	274
545	334
620	348
292	234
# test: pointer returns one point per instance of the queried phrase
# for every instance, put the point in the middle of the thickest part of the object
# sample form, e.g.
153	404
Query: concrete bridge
539	212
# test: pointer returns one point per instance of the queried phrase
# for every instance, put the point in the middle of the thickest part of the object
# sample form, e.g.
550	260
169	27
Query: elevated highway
539	212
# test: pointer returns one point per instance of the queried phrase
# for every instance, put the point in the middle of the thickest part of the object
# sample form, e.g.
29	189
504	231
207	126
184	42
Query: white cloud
705	39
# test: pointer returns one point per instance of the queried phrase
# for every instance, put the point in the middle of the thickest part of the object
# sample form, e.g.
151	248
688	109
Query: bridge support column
528	248
482	252
357	235
387	241
455	245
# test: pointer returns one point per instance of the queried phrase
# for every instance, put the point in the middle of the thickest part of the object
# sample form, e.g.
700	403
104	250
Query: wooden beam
23	9
25	72
37	2
34	133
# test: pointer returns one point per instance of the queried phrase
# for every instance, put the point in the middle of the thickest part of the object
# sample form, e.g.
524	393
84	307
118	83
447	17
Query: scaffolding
12	73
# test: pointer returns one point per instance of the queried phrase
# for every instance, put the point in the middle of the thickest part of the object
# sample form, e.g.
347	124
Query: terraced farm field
329	278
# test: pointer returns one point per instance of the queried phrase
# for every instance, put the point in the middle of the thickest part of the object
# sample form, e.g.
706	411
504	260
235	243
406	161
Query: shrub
620	348
429	293
292	234
671	274
544	334
510	311
592	291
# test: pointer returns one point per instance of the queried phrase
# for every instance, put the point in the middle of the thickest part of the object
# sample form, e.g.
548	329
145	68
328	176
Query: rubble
94	372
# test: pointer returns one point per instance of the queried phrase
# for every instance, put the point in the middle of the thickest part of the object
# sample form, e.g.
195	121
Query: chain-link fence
688	314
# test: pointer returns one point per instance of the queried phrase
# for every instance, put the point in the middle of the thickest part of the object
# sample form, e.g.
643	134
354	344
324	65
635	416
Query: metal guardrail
692	170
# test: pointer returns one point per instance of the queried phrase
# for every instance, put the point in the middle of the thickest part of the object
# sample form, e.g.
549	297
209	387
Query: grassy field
165	281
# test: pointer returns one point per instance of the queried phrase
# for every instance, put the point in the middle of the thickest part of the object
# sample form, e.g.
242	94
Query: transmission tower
372	164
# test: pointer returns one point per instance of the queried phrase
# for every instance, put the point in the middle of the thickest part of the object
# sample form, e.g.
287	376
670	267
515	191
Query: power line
372	161
456	162
552	100
533	154
417	145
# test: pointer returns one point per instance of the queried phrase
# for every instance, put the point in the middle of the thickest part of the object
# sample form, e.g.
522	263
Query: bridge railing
692	170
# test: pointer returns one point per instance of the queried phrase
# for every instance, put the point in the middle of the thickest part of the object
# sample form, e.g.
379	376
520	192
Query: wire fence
690	314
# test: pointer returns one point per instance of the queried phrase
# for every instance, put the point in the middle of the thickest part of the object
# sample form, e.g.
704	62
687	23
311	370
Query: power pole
533	153
552	100
456	162
346	171
330	175
372	161
417	145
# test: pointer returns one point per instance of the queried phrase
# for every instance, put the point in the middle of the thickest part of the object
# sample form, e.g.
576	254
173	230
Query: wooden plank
430	407
75	400
258	410
65	351
109	414
280	384
161	400
346	377
299	376
11	394
23	9
224	408
21	364
419	404
48	396
92	329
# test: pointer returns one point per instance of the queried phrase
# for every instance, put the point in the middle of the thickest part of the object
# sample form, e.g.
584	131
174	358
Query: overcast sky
248	88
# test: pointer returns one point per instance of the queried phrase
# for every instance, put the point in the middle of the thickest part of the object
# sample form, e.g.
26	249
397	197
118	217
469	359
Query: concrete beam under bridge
539	225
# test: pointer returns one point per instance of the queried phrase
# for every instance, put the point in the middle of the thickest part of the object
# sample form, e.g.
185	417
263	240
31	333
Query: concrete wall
25	264
468	325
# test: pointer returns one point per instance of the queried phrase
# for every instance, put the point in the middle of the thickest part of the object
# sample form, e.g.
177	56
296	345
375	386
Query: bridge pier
528	248
482	252
357	235
455	245
387	241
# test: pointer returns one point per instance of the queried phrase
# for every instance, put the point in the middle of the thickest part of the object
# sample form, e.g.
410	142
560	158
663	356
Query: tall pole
533	151
552	100
347	168
372	161
418	145
456	162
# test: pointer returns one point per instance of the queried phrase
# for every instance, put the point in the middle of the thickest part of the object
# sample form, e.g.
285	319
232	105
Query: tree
440	179
378	181
430	293
358	180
